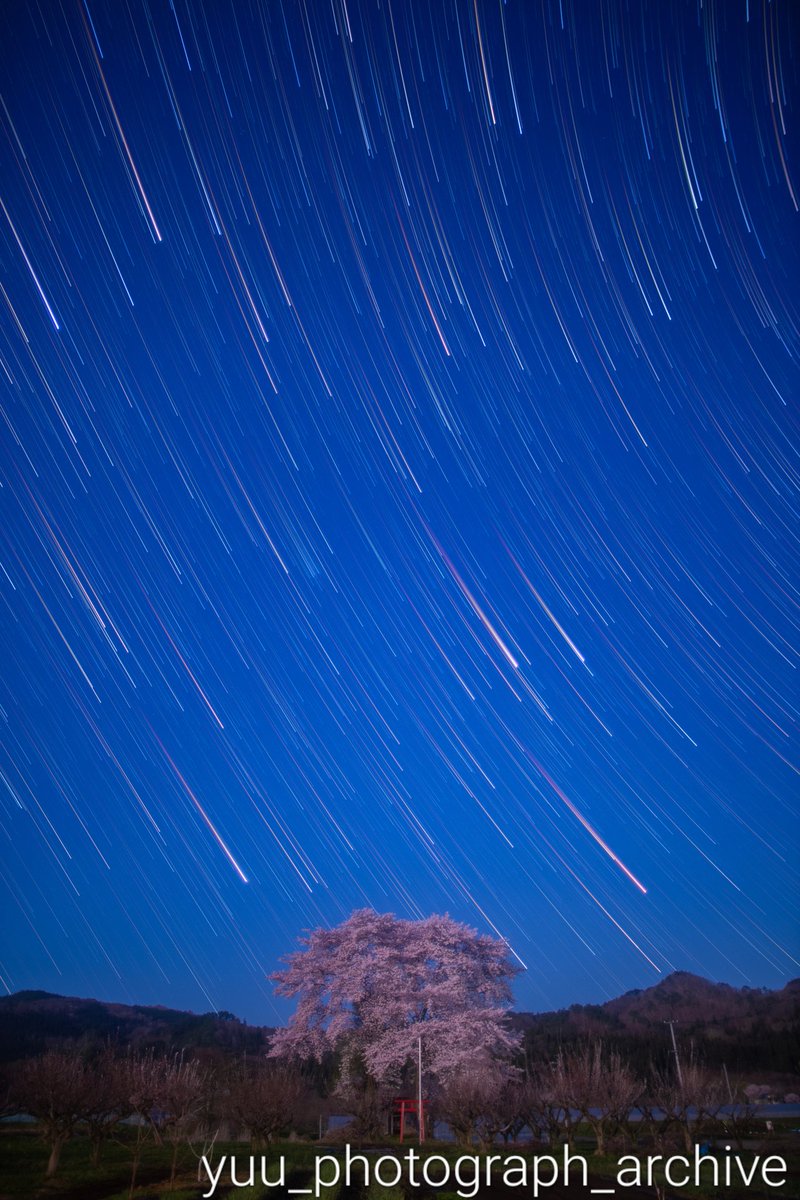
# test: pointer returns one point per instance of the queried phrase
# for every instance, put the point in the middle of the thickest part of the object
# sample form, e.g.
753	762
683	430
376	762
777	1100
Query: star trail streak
398	487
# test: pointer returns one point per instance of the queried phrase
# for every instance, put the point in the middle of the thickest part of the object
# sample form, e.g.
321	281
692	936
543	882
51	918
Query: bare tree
105	1099
143	1075
9	1104
474	1102
601	1086
737	1120
183	1097
690	1103
543	1101
264	1097
659	1104
510	1109
704	1093
52	1088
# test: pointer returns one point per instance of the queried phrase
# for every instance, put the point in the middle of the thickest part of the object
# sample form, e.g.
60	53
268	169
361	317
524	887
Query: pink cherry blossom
375	984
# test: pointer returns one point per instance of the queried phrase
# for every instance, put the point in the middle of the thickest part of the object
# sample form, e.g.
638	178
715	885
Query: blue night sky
399	487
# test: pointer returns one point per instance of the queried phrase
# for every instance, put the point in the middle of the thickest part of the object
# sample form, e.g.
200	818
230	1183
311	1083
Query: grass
607	1167
23	1160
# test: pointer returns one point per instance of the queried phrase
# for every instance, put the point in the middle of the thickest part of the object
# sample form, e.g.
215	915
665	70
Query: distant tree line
177	1101
761	1048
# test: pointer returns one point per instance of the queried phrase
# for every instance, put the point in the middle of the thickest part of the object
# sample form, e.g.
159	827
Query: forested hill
745	1028
34	1021
748	1029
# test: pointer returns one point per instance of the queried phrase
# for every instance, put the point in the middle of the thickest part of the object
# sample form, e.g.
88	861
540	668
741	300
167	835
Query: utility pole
675	1049
420	1113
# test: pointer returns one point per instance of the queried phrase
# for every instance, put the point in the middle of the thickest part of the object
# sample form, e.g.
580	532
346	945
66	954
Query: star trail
399	475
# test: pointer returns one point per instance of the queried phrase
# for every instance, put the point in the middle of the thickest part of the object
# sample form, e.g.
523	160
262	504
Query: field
291	1169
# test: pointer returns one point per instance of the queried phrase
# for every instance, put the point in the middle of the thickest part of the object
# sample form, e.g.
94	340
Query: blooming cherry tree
375	984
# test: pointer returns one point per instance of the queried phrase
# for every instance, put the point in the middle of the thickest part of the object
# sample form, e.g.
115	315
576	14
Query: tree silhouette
52	1088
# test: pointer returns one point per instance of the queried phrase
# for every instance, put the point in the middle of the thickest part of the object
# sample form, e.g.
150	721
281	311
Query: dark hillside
34	1021
747	1029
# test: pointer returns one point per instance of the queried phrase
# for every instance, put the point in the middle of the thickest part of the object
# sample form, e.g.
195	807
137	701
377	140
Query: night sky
399	487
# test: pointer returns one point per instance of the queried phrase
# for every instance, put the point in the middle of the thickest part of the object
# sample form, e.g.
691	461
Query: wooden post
420	1114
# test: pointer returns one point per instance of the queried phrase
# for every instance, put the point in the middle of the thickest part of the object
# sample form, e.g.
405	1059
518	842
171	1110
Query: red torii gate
407	1104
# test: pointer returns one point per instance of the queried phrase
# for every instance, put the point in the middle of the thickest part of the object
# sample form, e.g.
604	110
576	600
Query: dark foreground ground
23	1160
